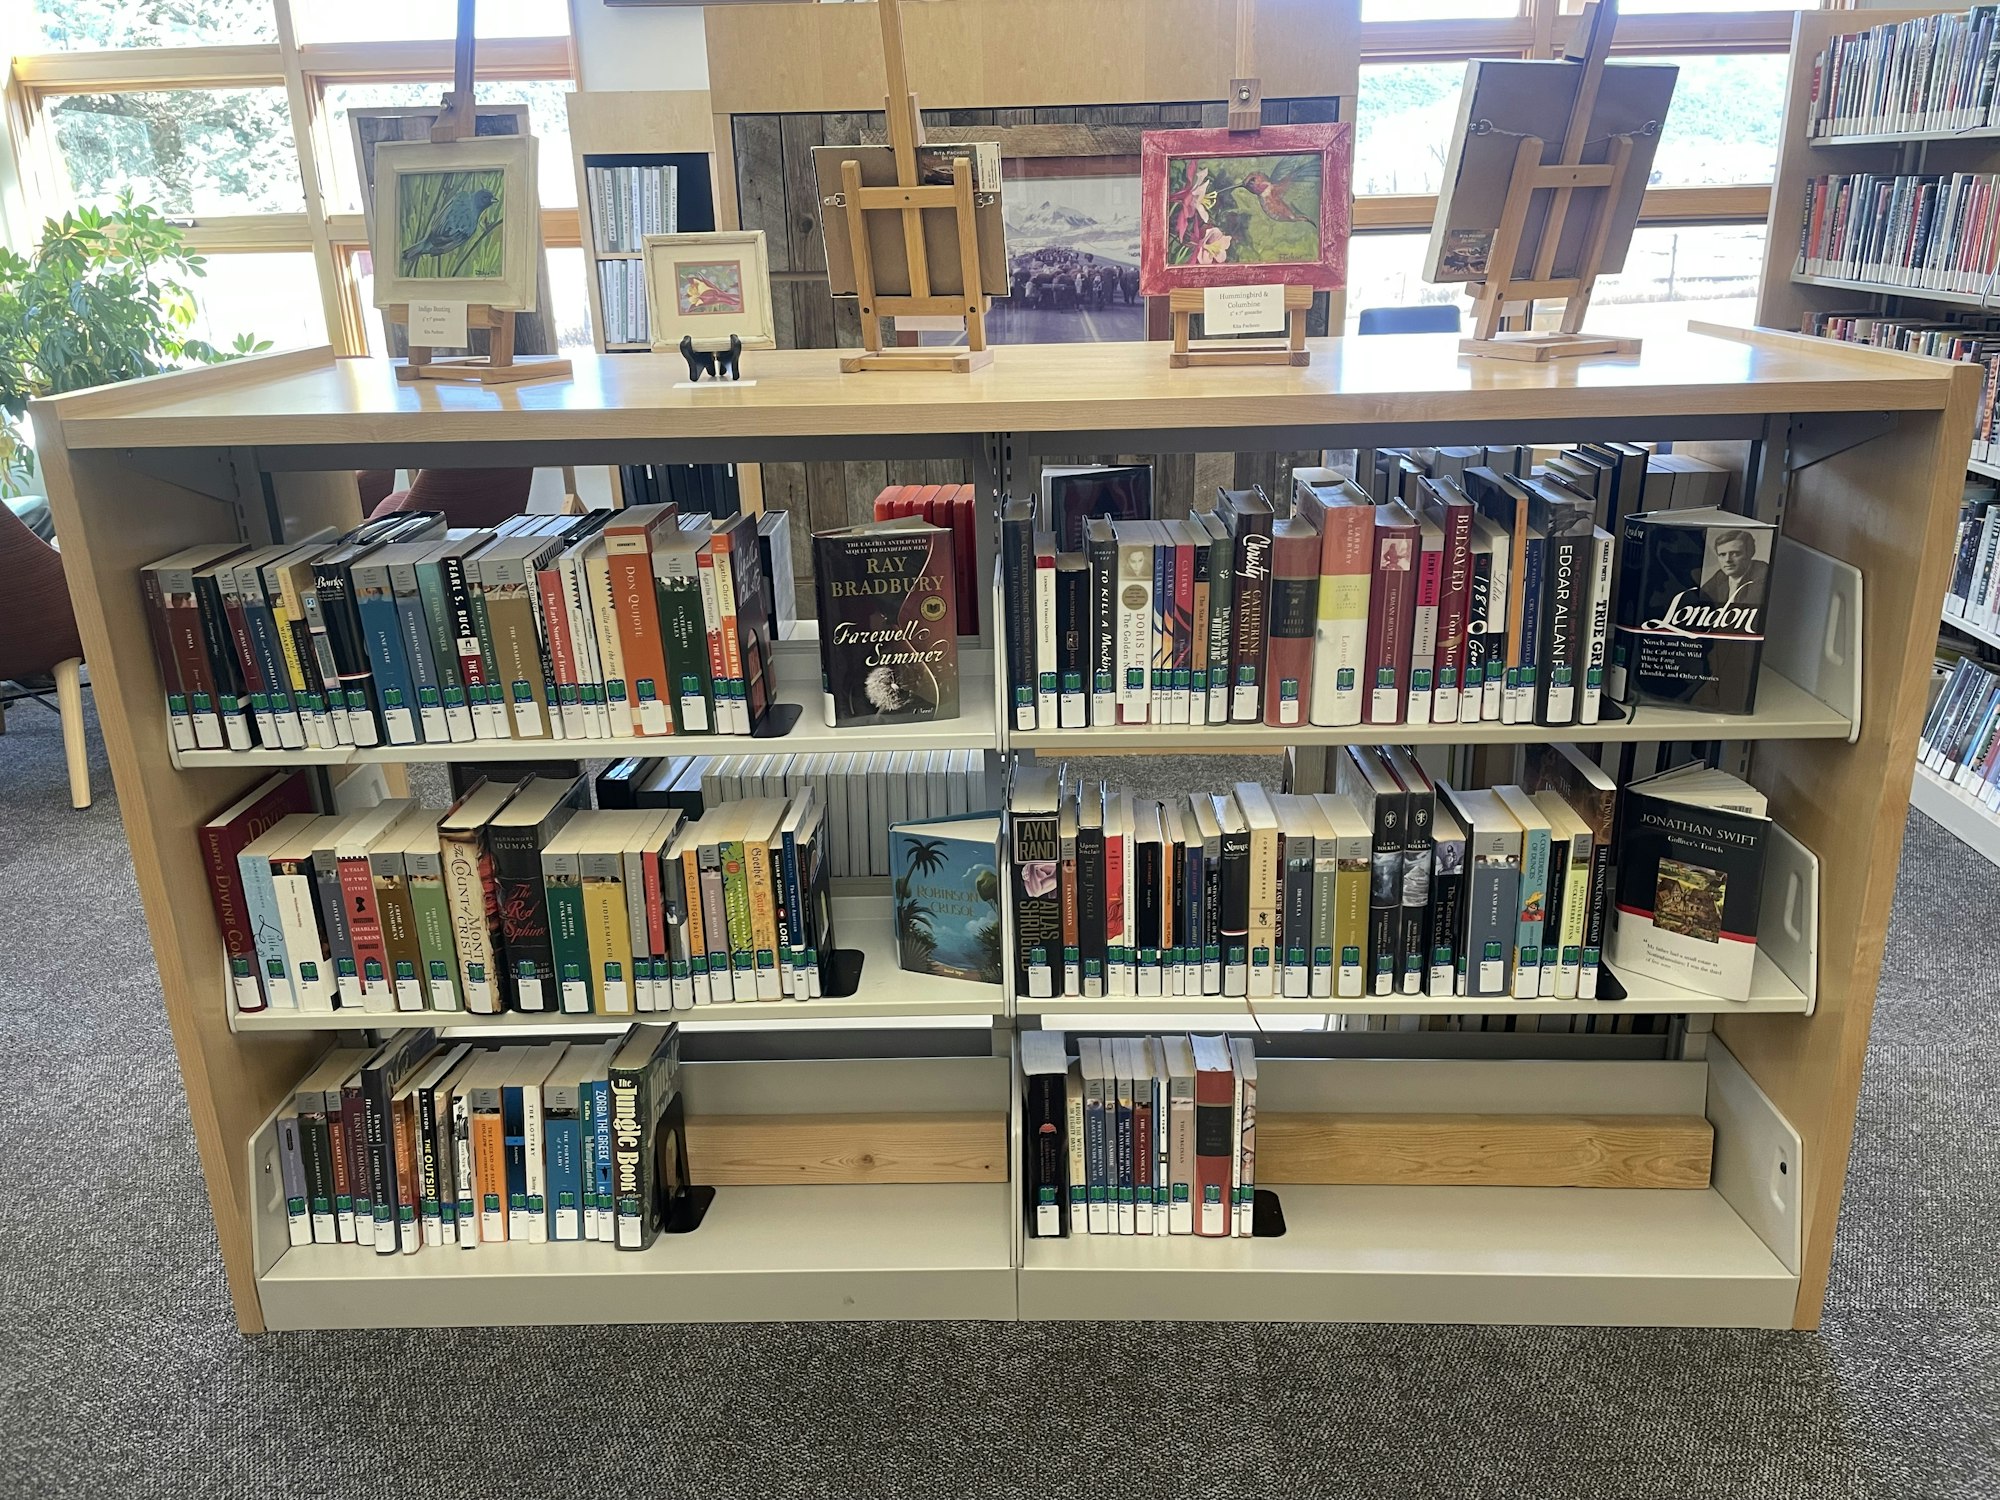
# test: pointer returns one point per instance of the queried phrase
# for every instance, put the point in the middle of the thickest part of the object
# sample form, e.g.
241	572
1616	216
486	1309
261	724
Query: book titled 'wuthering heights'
888	623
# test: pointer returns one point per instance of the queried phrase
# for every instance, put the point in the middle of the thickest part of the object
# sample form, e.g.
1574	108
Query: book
1691	608
888	623
223	838
1216	1136
1044	1133
1690	872
1293	609
648	1154
1248	515
947	894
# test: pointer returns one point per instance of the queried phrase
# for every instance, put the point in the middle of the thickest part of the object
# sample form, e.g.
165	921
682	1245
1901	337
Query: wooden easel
910	197
1564	178
497	366
1246	113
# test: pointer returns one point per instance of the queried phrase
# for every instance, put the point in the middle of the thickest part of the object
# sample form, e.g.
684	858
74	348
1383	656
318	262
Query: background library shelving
141	470
1786	294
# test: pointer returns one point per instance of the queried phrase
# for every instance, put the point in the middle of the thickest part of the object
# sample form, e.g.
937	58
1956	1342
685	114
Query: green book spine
736	903
437	619
684	634
476	593
562	879
434	937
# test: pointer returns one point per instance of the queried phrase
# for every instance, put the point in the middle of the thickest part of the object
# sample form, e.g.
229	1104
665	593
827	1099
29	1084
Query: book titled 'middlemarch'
888	622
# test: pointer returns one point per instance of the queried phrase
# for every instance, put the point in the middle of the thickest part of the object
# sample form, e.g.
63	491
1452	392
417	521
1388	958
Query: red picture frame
1214	205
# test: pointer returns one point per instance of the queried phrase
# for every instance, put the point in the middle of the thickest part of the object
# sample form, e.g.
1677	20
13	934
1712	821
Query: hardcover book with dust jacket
888	622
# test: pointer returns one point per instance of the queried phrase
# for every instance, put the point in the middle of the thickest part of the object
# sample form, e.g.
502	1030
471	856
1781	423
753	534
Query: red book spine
1116	939
656	922
1454	610
1392	604
246	653
1183	618
191	652
220	844
555	625
1293	612
965	552
1143	1153
718	670
364	925
1214	1151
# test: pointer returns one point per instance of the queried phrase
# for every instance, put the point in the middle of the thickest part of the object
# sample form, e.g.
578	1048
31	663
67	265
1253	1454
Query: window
548	117
1387	270
1404	119
1722	126
1676	272
274	296
1444	10
86	25
185	151
422	20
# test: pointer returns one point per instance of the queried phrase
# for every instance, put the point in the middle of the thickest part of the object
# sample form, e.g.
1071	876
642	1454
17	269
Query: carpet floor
121	1372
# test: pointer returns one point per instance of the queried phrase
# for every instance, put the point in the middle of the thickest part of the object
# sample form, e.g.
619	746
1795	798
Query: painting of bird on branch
448	224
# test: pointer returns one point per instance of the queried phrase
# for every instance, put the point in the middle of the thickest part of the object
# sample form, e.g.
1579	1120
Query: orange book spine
489	1166
637	601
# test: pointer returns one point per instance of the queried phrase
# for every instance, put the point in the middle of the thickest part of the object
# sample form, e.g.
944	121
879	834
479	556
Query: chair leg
69	704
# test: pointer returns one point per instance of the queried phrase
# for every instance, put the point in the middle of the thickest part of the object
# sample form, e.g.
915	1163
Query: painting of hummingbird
1272	196
446	220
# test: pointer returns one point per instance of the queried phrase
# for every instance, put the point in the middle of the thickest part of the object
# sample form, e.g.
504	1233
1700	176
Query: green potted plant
102	298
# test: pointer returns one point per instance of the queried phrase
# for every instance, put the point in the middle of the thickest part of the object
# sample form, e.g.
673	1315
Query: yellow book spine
1350	928
609	932
763	919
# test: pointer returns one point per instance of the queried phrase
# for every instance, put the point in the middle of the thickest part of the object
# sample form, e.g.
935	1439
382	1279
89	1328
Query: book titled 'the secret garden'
888	623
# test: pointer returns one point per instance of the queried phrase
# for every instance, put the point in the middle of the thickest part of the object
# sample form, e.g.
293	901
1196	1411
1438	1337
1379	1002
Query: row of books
422	1144
1152	1135
711	489
1471	596
1973	595
1965	334
621	296
1961	735
954	507
518	897
1933	73
864	792
627	203
1937	232
1395	883
613	624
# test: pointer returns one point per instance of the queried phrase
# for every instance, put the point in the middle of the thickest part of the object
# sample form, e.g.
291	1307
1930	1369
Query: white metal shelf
1785	711
1973	824
1619	1257
1966	627
1905	137
1890	289
1982	468
762	1254
887	992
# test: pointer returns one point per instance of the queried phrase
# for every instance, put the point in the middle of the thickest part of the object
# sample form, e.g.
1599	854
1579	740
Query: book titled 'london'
948	892
1693	589
888	623
1690	881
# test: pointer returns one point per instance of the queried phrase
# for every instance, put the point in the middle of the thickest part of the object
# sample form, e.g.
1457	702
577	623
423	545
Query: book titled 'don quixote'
888	623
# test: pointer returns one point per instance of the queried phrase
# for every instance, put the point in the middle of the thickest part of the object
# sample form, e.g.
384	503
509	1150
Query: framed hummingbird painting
457	221
709	287
1244	208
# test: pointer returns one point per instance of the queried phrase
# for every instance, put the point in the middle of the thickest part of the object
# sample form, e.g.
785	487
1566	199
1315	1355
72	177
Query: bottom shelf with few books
1973	823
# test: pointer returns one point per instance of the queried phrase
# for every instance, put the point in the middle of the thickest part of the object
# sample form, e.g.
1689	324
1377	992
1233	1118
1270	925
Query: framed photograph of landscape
457	221
709	287
1244	208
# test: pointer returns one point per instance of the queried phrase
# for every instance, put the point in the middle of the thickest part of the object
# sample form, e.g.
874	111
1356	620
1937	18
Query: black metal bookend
717	364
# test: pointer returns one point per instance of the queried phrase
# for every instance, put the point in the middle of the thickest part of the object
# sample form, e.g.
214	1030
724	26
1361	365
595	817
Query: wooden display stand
910	198
498	365
1564	178
1185	302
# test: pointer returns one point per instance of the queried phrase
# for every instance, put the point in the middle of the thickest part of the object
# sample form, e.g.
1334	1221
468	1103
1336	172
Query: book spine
1135	631
1534	907
1392	604
1454	615
1103	644
1293	605
1234	898
1221	621
1198	632
364	931
1566	560
1090	916
1524	677
375	604
1424	637
1076	1167
1072	602
1048	692
1477	643
569	940
1340	640
1017	561
1249	596
292	1176
1215	1145
1034	845
1590	702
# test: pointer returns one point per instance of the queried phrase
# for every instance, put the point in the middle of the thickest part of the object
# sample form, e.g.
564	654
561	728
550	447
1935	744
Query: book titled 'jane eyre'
888	623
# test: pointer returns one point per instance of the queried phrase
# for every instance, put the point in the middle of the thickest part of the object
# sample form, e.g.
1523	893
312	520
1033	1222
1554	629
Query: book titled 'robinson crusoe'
948	896
888	623
1690	881
1693	589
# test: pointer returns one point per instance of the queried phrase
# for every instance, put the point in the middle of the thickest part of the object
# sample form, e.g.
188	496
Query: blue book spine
1163	609
383	632
1521	679
1534	907
416	634
270	659
600	1122
565	1178
514	1127
260	905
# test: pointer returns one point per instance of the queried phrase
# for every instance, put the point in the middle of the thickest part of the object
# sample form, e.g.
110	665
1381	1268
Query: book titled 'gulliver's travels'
1693	589
888	622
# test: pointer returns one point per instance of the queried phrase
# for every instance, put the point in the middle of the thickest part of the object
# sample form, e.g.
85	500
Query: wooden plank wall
775	192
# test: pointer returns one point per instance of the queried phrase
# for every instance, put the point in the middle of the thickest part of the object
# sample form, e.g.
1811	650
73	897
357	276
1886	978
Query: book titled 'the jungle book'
1690	880
948	893
888	623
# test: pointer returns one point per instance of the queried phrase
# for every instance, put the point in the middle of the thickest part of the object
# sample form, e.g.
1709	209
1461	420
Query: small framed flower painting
1244	208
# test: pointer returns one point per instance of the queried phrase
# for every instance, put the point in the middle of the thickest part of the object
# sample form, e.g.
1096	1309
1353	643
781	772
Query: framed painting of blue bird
456	221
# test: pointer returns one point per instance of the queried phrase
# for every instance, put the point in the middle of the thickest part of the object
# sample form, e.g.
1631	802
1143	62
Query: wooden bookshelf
269	446
639	128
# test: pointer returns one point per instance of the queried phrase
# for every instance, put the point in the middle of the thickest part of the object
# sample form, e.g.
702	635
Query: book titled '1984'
888	622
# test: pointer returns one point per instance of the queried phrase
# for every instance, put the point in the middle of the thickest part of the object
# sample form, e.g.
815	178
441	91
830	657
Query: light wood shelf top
308	398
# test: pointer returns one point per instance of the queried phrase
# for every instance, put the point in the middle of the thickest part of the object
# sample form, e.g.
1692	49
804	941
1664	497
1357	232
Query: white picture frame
444	179
674	263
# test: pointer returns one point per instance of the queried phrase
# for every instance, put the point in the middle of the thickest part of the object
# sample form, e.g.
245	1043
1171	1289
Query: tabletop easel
909	197
1564	178
1246	113
497	366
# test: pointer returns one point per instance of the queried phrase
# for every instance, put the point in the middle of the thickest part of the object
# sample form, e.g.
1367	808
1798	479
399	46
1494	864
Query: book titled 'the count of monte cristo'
888	623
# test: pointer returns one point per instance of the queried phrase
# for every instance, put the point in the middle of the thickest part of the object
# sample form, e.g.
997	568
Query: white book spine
1134	587
1079	1171
311	974
535	1163
1047	696
1590	702
461	1167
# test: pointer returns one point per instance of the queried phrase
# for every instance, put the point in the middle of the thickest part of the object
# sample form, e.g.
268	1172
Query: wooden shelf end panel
1472	1150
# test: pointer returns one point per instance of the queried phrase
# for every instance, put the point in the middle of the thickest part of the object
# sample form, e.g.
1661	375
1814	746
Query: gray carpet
121	1372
